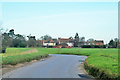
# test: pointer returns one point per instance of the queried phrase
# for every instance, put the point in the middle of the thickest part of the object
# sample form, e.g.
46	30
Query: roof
65	39
48	41
99	41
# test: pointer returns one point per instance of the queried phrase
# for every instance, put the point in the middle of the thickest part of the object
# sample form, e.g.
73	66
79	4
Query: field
102	62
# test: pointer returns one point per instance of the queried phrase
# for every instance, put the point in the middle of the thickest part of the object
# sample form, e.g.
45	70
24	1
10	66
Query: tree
4	40
11	37
71	37
11	33
46	37
90	40
82	39
31	41
112	44
19	41
116	42
76	40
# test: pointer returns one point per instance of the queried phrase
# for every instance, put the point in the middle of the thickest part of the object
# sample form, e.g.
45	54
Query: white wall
70	44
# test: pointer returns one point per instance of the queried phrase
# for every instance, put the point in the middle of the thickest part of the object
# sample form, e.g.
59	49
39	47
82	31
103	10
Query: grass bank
103	66
14	56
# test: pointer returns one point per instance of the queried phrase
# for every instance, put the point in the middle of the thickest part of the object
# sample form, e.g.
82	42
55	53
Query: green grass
15	51
103	65
14	56
100	62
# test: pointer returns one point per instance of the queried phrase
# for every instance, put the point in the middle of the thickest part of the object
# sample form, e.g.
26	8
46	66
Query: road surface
57	66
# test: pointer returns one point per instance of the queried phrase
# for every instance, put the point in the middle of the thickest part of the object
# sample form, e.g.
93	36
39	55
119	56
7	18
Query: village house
99	42
96	42
69	42
48	43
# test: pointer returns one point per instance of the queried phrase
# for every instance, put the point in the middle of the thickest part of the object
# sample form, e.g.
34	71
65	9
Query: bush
86	46
93	46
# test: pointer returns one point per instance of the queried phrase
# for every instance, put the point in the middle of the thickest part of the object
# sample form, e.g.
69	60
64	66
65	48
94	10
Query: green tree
31	41
19	41
76	40
112	43
71	37
4	40
46	37
91	42
82	39
116	42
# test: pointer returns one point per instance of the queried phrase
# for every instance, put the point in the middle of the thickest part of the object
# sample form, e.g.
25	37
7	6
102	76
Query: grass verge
102	66
19	57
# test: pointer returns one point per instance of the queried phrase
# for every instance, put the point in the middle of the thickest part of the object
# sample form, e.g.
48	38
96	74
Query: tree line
10	39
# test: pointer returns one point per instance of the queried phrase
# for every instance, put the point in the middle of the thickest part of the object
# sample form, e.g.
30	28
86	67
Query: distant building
99	42
92	43
69	42
49	43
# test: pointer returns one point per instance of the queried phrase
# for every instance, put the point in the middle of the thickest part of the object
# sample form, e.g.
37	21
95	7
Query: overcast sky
96	20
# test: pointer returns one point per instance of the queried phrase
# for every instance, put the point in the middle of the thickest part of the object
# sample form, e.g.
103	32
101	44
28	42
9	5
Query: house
99	42
96	42
49	43
69	42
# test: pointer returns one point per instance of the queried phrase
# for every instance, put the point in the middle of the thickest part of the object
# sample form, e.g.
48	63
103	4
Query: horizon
97	20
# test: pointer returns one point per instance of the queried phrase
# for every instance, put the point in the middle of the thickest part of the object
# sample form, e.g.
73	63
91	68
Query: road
57	66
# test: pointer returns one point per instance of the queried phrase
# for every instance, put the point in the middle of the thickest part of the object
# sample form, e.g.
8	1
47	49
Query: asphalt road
57	66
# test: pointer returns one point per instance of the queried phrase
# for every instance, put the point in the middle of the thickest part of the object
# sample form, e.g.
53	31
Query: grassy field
101	63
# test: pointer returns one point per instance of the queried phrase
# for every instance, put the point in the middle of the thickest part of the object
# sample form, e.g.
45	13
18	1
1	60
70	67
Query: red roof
65	39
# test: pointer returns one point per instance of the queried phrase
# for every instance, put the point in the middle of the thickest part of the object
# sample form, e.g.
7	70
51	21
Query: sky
59	0
98	20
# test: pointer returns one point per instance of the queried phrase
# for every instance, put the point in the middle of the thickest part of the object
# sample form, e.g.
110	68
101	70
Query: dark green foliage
93	46
76	40
11	39
32	41
86	46
46	37
113	43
